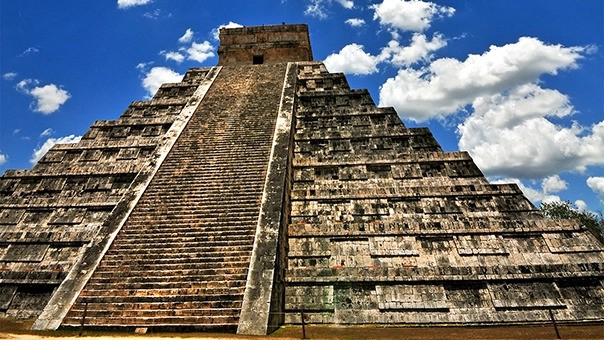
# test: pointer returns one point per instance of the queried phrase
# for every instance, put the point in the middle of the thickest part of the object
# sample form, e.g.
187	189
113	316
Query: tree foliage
566	210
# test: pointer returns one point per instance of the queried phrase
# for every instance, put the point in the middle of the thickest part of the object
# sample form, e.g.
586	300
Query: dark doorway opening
258	59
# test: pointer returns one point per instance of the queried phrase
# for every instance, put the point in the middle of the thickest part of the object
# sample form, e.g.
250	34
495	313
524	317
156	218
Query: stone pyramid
265	187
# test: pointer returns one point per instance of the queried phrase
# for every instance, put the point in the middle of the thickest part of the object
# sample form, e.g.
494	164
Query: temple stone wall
264	44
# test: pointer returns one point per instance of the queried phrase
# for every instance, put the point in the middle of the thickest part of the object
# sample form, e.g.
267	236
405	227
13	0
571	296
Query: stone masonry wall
264	44
387	228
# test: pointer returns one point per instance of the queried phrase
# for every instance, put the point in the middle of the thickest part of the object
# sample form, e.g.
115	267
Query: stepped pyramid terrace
265	186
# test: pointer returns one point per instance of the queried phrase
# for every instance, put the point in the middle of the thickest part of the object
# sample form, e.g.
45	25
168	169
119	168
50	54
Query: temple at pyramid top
264	45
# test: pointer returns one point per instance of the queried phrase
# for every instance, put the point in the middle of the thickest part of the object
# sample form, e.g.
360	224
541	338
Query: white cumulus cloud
355	22
216	31
596	184
171	55
9	76
318	8
447	85
158	76
553	184
411	15
186	37
195	51
420	49
200	51
40	151
47	98
47	132
348	4
24	85
352	59
28	51
123	4
581	206
511	135
3	158
156	14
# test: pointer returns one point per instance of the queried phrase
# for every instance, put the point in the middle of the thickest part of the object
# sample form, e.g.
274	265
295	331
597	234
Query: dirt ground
19	330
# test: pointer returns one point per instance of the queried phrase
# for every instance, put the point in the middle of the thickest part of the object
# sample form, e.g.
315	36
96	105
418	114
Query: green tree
566	210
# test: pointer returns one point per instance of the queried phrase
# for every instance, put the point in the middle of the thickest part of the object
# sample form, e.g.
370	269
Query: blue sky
518	84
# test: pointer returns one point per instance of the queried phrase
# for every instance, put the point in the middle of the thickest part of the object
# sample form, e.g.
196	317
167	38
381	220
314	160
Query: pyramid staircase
182	257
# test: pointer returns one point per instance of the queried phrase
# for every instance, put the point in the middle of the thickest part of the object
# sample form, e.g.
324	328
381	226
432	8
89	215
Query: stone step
124	257
212	197
188	255
159	292
213	170
114	305
164	274
113	299
200	248
171	278
141	265
201	197
172	239
185	203
214	228
201	215
194	220
232	162
180	242
224	173
221	258
202	321
140	222
94	312
197	231
127	284
252	159
212	174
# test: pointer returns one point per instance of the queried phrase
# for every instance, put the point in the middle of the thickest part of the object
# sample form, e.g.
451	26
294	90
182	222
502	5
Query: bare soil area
19	330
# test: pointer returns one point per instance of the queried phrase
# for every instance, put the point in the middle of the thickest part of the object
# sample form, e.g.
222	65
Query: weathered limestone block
480	245
11	216
310	298
572	242
389	246
25	253
411	297
525	295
